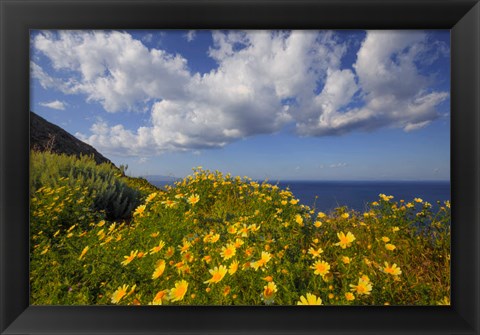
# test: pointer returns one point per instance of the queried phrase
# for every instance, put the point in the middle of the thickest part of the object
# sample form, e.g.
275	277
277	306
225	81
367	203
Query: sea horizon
327	195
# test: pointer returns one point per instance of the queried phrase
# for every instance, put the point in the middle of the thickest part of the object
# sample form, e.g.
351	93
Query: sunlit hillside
215	239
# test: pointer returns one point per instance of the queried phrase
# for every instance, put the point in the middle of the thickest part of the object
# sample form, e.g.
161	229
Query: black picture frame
17	17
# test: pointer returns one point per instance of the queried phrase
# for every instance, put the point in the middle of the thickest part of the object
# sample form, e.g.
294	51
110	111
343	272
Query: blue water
327	195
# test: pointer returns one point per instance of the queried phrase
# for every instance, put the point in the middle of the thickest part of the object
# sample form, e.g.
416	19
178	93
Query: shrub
103	183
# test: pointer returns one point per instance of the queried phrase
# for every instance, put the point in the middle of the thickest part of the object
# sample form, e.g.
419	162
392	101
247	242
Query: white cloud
393	92
190	35
60	105
112	68
333	166
245	95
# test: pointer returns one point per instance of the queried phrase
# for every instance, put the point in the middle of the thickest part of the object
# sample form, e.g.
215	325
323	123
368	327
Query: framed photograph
229	162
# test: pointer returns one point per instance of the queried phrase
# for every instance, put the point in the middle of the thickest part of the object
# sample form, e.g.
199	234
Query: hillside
45	135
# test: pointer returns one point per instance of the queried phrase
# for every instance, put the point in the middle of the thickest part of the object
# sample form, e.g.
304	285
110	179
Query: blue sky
278	105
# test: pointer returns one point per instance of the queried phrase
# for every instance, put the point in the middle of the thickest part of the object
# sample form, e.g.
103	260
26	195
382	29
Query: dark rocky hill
47	136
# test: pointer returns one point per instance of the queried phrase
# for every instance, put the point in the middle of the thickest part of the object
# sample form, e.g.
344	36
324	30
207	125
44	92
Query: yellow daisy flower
233	267
217	274
178	292
269	290
266	256
363	287
160	267
315	252
150	197
170	251
184	248
157	248
228	251
385	239
193	199
160	297
394	270
119	294
139	211
131	257
321	268
311	299
349	296
390	246
345	240
299	219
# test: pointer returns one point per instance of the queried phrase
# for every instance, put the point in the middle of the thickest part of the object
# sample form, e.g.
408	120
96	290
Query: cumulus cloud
264	81
190	35
111	68
394	93
60	105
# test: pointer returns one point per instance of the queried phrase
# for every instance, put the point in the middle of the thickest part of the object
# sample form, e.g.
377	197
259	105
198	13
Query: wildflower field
215	239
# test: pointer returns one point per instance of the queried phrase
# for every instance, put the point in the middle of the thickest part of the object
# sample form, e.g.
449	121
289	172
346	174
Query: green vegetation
214	239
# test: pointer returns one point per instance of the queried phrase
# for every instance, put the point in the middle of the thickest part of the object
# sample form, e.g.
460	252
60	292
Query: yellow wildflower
315	252
184	248
119	294
385	239
228	251
266	256
130	258
193	199
139	211
321	268
363	287
390	246
159	268
346	259
349	296
418	200
157	248
445	301
345	240
170	251
84	251
178	292
238	243
160	297
217	274
394	270
345	216
233	267
269	290
299	219
311	299
151	197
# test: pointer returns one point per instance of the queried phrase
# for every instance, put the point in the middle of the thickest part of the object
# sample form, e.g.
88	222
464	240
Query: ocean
328	195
